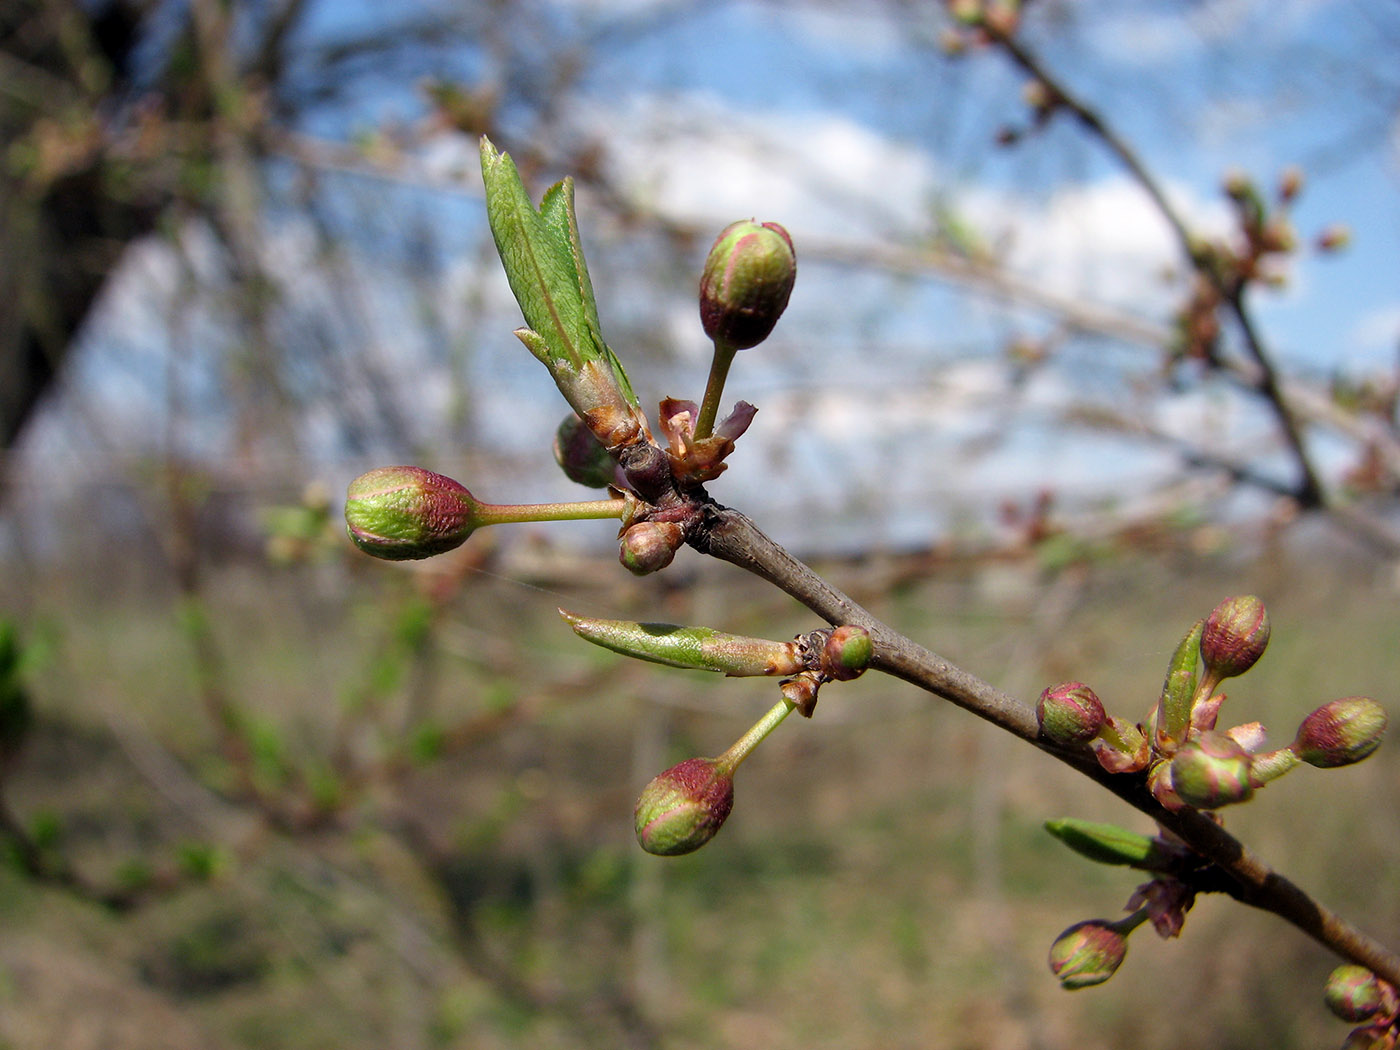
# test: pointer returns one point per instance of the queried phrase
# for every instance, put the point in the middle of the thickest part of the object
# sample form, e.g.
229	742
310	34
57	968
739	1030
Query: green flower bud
846	653
398	513
746	282
1210	771
649	546
1354	994
1070	714
684	807
1088	953
582	456
1341	732
1234	637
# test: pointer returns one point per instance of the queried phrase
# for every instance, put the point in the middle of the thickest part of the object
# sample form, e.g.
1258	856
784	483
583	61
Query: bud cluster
1187	762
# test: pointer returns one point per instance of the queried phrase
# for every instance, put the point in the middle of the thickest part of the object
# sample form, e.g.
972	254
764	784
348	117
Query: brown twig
730	536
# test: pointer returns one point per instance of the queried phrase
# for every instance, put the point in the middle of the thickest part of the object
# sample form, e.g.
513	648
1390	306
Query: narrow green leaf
1179	687
695	648
1106	843
538	265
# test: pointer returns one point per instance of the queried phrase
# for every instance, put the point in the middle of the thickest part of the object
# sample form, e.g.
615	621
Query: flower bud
649	546
746	282
1210	771
846	653
1088	953
1341	732
398	513
683	808
1070	714
1234	637
582	456
1354	994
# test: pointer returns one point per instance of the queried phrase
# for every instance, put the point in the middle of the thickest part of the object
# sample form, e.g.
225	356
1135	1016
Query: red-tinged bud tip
1341	732
1211	771
1070	714
1371	1037
1355	994
398	513
684	807
650	546
1235	636
746	282
846	653
1088	953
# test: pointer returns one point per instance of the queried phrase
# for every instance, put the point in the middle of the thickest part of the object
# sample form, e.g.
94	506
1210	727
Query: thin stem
512	513
739	750
732	537
714	388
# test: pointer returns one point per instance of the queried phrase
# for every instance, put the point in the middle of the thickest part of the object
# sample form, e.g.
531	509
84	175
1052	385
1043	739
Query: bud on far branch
401	513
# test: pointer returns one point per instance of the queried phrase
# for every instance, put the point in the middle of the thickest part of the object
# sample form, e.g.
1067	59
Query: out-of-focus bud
1088	953
1235	636
1290	184
683	808
582	456
1354	994
399	513
1334	238
746	282
649	546
846	653
1341	732
1070	714
1371	1037
1210	771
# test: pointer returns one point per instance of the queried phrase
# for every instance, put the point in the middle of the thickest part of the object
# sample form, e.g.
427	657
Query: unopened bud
746	282
683	808
1341	732
1110	844
846	653
1210	771
1290	183
1354	994
398	513
649	546
1070	714
1235	636
582	456
1088	953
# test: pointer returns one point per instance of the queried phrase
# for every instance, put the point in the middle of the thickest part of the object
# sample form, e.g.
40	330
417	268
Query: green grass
884	880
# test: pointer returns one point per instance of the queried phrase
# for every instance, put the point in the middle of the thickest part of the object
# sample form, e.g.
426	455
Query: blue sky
854	131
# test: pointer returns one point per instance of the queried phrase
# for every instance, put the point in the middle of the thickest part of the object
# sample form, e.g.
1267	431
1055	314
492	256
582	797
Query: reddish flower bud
399	513
846	653
1371	1037
1088	953
1234	637
1070	714
1354	994
650	546
684	807
1210	771
746	282
1341	732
